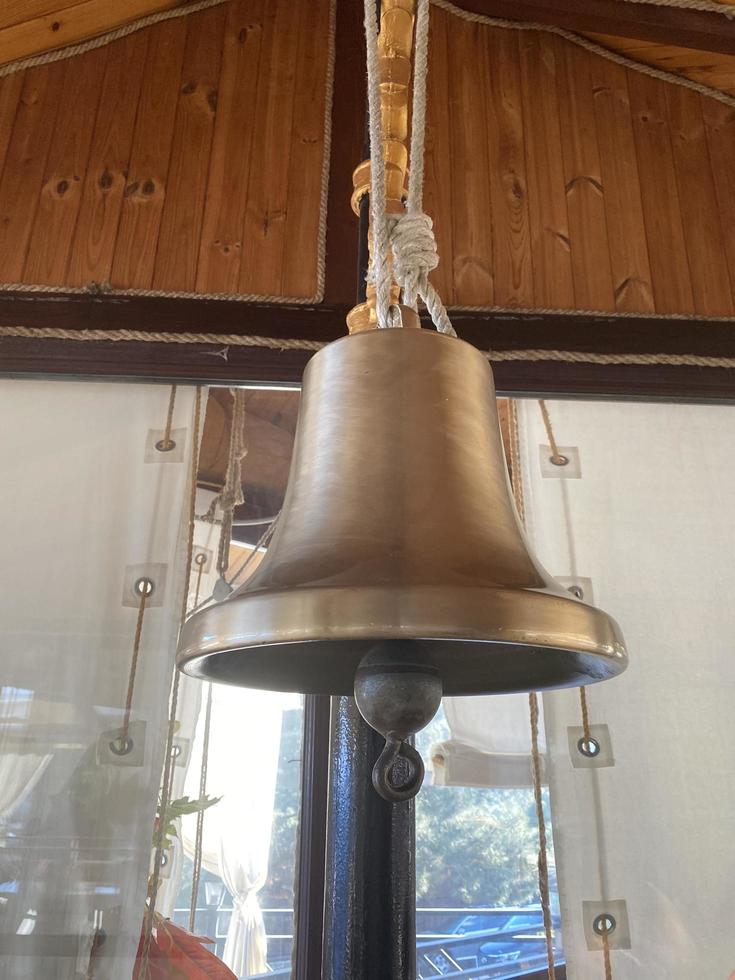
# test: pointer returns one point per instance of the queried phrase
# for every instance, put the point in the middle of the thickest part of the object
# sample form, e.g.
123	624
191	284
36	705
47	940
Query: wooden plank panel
145	188
25	162
593	285
552	261
71	24
707	67
303	183
699	208
508	183
16	11
626	229
221	243
10	89
96	231
438	162
470	190
183	209
263	233
58	207
720	125
672	287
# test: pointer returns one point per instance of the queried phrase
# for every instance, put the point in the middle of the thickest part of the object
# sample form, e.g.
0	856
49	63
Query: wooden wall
187	156
557	179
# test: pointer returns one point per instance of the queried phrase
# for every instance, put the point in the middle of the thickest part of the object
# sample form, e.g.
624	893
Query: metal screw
144	586
559	459
165	445
577	591
604	924
589	747
122	745
200	559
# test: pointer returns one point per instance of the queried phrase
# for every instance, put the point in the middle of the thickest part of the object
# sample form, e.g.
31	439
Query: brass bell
399	546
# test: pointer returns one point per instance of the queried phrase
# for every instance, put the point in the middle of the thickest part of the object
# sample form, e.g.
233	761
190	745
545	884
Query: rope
598	49
101	289
585	714
543	864
542	859
246	562
199	836
231	494
606	956
296	343
134	663
556	456
167	443
168	767
379	272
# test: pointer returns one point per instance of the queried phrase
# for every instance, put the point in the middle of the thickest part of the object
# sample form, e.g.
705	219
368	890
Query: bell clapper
398	692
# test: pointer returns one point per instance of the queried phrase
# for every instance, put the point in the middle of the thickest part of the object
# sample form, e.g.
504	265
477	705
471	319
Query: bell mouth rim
267	640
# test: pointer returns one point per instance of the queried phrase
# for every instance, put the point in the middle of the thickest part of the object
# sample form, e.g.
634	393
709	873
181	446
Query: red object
176	954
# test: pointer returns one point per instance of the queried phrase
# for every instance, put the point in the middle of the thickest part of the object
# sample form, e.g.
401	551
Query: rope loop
414	252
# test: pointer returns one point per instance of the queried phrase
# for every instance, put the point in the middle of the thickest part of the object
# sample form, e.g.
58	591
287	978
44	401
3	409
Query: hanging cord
199	837
166	444
145	588
168	765
585	715
606	955
557	458
411	234
543	863
231	494
250	557
533	706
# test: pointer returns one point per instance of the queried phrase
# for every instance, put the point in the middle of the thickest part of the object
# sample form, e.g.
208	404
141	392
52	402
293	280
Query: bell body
399	524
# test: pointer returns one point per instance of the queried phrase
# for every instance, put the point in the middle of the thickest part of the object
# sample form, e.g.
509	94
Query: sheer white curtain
242	769
87	504
490	743
649	523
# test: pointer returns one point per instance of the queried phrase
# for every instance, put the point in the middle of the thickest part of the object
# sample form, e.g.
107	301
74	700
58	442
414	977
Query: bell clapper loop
382	782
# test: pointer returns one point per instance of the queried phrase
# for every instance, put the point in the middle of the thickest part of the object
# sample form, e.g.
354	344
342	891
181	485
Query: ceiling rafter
664	25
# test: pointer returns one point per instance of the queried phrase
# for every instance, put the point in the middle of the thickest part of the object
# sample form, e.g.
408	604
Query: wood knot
105	180
131	189
212	99
242	35
148	188
56	26
188	88
62	187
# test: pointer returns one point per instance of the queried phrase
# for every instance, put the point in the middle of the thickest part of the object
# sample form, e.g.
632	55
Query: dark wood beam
665	25
348	126
220	363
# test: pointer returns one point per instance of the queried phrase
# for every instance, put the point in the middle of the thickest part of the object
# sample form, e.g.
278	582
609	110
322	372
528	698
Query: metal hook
382	782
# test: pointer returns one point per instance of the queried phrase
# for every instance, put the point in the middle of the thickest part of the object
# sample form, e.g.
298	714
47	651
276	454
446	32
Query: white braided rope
411	234
312	346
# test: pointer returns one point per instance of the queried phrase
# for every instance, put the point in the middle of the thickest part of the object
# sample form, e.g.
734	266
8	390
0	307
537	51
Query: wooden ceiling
189	158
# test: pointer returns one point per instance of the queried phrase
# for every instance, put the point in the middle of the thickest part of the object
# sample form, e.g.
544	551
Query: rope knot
414	251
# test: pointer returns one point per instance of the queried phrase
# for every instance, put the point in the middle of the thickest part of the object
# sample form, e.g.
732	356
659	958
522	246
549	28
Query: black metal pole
370	882
370	894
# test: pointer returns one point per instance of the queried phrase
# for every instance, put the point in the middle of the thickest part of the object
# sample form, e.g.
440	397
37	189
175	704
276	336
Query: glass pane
478	909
